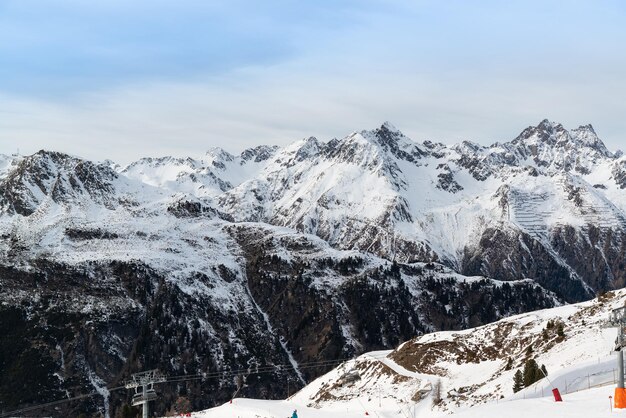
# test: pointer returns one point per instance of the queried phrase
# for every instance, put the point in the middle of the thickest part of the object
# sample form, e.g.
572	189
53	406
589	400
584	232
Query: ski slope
584	404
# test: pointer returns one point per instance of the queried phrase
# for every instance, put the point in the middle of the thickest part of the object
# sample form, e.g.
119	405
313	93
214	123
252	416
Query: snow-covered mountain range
314	251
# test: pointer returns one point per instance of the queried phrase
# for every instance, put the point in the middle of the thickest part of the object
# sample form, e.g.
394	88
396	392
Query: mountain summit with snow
281	256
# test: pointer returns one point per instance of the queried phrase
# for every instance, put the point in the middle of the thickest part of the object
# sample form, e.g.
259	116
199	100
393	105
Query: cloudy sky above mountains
124	79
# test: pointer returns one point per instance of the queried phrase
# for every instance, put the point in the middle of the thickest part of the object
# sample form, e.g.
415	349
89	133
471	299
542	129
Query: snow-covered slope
470	368
558	192
587	403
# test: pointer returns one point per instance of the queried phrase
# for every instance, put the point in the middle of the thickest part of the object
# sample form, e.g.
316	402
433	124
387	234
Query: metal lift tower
618	320
145	381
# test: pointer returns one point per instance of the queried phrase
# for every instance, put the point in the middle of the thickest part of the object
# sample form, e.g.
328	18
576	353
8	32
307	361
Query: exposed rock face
66	331
595	253
511	255
55	176
619	173
446	180
280	257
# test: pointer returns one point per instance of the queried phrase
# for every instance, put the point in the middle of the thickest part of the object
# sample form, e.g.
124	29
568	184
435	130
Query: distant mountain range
315	251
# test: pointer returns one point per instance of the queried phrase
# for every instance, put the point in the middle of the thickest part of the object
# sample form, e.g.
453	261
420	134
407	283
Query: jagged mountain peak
259	153
390	127
197	177
58	162
373	147
303	150
587	136
309	143
388	134
218	153
469	147
310	147
555	134
55	175
5	163
384	134
546	132
160	162
552	148
548	125
399	145
588	127
360	148
54	156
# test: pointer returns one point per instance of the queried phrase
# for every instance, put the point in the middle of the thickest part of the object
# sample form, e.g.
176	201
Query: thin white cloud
437	71
261	107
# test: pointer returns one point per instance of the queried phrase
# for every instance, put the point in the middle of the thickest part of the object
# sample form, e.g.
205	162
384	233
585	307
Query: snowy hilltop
310	252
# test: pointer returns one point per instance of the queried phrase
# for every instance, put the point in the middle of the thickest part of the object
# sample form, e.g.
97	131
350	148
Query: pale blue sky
121	79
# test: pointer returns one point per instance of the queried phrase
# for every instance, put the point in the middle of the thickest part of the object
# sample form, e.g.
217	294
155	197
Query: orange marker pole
620	398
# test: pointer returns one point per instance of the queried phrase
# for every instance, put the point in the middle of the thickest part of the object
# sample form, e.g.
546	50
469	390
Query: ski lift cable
57	402
192	377
267	368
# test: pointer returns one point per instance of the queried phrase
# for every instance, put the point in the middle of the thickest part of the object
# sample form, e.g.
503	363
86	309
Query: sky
121	79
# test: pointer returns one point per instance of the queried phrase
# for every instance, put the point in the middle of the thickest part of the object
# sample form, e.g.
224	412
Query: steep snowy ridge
454	372
177	174
64	179
212	174
310	252
551	148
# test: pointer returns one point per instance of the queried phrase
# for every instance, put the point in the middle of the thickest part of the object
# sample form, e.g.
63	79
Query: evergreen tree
531	372
544	370
530	368
518	381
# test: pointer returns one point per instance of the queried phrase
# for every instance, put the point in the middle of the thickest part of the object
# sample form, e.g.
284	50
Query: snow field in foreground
592	403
